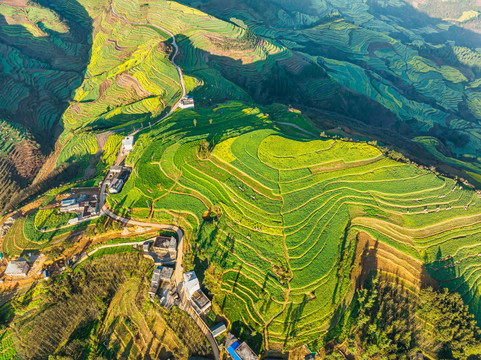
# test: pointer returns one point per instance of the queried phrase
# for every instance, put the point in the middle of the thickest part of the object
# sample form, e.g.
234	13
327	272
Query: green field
291	209
270	204
7	346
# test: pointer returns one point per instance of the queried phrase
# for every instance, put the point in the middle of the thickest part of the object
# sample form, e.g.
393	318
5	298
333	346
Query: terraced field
7	347
421	70
292	211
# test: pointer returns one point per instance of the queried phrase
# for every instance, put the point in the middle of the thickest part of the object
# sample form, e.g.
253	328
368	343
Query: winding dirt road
178	272
172	61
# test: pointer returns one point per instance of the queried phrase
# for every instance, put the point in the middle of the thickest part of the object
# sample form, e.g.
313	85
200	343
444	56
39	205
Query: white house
187	102
191	284
18	267
127	144
199	301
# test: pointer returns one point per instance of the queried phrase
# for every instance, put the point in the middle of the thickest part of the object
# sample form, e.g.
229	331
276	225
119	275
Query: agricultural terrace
362	50
291	210
37	231
10	135
202	37
7	346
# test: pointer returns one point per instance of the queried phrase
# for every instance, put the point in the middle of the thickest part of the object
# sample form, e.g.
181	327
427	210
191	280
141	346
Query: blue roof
231	350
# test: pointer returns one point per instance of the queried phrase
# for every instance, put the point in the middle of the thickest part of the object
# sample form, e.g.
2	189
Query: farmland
291	211
287	216
7	347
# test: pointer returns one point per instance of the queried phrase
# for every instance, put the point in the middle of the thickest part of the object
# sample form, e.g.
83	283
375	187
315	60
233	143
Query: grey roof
245	352
201	300
218	329
18	267
166	273
165	243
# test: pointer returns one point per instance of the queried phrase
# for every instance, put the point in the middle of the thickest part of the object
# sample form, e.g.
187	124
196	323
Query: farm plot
7	347
283	214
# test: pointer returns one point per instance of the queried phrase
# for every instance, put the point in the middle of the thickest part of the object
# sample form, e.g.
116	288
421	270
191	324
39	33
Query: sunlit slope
422	70
129	80
291	210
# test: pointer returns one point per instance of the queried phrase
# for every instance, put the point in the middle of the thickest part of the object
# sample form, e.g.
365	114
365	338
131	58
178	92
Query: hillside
100	310
404	75
289	211
44	50
394	73
329	140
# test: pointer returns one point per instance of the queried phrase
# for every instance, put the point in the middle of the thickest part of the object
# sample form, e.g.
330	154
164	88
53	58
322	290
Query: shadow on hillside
59	66
446	271
46	70
273	80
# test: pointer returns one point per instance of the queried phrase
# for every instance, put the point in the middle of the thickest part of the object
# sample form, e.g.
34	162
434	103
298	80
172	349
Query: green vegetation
290	209
272	211
101	310
390	322
52	219
7	347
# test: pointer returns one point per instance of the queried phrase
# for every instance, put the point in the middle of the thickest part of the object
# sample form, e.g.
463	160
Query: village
169	285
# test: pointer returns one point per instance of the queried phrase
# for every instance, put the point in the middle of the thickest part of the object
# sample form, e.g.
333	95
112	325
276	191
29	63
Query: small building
70	208
17	268
219	329
154	283
191	284
116	169
237	350
69	202
153	290
166	273
165	244
127	144
46	274
161	273
146	246
73	221
245	352
116	186
187	102
199	301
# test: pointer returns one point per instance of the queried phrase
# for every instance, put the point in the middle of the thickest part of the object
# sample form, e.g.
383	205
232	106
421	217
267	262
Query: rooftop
165	243
166	273
231	350
17	267
200	299
218	329
245	352
128	141
191	283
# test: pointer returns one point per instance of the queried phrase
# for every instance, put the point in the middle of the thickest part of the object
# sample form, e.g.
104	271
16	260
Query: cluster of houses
84	205
116	178
162	276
